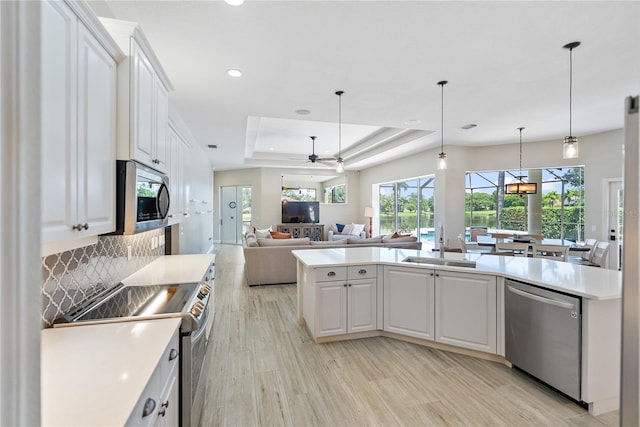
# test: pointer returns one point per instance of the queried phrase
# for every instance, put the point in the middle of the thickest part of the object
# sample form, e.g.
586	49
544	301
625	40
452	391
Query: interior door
614	221
230	212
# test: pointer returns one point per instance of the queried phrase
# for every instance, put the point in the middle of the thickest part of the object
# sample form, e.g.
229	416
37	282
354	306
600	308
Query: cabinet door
331	303
142	108
466	310
96	135
168	414
362	301
161	125
409	301
59	119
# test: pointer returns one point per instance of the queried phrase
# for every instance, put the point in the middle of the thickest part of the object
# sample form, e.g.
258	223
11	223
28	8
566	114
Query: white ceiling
504	62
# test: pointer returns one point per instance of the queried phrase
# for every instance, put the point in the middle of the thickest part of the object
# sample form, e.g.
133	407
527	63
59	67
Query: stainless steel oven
192	302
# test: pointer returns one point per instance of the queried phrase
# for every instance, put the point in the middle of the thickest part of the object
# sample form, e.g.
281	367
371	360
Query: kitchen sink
441	261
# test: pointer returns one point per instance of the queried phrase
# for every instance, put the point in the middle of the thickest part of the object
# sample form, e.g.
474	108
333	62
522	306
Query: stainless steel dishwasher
543	335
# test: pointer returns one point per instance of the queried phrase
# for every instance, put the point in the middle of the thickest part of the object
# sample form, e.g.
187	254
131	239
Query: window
335	194
300	194
407	207
562	203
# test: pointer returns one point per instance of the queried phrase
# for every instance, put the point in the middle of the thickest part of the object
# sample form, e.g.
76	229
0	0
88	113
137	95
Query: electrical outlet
161	240
593	228
129	253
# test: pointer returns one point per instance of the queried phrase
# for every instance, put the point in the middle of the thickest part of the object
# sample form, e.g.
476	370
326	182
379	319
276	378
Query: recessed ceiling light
234	2
232	72
412	122
271	148
469	126
303	112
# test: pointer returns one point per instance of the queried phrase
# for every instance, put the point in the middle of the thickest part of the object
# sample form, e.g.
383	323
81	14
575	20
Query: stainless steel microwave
142	198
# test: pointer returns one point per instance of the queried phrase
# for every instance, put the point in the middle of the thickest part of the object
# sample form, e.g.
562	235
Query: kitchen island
456	304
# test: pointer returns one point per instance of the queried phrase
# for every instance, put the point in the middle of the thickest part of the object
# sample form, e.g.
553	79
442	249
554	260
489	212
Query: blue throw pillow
340	227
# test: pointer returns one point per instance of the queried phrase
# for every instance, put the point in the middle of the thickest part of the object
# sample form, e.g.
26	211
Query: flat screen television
300	212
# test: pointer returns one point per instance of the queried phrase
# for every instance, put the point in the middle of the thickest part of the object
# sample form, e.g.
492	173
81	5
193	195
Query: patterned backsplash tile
71	278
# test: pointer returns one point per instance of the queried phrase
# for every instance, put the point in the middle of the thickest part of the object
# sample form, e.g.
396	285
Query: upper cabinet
78	98
143	100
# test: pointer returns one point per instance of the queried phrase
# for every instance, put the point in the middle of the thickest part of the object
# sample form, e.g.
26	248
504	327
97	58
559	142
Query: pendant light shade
519	185
340	160
570	145
442	157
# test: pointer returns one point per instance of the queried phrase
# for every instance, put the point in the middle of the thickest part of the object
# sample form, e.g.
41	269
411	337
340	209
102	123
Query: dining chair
501	236
557	252
600	254
463	245
512	248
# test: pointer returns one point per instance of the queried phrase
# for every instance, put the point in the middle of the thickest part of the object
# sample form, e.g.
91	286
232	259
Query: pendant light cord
520	129
339	93
442	118
570	87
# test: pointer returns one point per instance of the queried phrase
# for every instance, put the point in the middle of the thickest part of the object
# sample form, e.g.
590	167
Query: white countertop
588	282
172	269
93	375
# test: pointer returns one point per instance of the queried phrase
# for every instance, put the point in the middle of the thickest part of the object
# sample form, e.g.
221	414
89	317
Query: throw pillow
264	233
347	229
395	235
340	227
279	235
356	229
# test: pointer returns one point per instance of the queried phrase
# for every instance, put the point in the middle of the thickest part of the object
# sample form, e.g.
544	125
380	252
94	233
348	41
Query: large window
407	207
562	203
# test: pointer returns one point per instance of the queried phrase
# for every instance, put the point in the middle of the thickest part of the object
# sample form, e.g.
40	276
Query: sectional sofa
269	261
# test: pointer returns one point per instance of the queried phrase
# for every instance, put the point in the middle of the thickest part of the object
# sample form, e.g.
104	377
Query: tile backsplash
73	277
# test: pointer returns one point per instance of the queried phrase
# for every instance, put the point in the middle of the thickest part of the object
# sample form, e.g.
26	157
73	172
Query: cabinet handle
149	407
437	275
163	411
349	285
80	227
345	285
431	274
331	273
363	271
173	354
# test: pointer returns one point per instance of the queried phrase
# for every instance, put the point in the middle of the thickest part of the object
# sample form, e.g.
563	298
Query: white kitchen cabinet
178	151
409	306
345	301
158	404
466	310
78	129
143	104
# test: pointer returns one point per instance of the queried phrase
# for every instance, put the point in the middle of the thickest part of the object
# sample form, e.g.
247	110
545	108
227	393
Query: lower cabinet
159	403
345	300
409	304
466	310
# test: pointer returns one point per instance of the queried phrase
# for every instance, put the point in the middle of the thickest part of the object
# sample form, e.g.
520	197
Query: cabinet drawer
329	274
361	272
170	357
144	413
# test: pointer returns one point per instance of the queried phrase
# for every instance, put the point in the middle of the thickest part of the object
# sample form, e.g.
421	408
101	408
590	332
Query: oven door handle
202	329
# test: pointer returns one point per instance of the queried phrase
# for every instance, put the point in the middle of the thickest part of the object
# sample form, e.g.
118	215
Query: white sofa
347	231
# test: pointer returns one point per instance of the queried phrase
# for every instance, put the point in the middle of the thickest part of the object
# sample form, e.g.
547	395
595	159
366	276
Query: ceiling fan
313	157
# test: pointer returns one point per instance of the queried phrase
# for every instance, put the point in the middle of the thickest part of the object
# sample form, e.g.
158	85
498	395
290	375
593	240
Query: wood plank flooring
265	370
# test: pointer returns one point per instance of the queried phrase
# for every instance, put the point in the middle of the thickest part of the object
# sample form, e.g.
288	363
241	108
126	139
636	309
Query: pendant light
519	185
570	146
442	157
339	160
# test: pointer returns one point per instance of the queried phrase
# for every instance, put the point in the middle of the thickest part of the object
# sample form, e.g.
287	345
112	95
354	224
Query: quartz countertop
95	374
172	269
579	280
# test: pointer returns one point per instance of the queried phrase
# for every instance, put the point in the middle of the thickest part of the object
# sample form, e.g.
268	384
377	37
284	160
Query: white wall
266	188
601	154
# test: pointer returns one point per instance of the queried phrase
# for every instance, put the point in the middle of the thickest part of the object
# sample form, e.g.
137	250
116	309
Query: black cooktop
132	301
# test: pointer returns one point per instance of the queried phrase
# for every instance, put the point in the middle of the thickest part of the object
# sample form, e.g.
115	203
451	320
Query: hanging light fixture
570	146
442	157
520	185
339	160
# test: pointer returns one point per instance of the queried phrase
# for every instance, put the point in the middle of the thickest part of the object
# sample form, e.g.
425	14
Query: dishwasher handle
540	298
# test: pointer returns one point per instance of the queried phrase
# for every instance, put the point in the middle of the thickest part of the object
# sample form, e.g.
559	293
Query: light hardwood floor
265	370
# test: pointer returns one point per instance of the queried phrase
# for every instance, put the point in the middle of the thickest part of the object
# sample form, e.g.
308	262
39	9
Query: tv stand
312	231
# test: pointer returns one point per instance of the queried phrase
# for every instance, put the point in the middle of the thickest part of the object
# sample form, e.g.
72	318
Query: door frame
613	259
